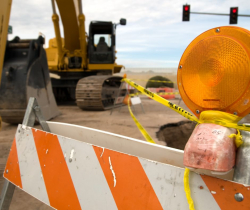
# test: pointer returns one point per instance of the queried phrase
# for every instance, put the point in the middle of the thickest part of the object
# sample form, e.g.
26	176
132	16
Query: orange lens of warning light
214	71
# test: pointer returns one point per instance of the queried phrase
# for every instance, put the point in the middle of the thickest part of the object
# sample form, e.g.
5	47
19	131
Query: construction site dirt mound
177	134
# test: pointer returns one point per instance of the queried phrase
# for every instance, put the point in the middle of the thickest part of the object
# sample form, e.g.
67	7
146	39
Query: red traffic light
233	16
186	12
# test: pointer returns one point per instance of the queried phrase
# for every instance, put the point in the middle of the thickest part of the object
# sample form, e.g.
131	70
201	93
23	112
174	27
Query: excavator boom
73	21
4	24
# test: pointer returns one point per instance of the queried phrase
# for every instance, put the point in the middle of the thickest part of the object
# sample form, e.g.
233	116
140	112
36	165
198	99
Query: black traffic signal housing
186	12
233	15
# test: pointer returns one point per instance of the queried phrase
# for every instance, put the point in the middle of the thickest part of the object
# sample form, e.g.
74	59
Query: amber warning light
214	72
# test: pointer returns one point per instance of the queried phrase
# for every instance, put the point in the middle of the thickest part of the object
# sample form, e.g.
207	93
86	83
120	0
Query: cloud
132	49
154	34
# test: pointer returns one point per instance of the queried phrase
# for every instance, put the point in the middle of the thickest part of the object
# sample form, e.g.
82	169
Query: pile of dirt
176	135
154	82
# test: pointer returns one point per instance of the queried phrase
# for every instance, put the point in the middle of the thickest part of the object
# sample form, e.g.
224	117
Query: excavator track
99	92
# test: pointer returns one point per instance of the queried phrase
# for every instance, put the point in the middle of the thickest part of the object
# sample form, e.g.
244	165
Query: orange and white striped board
76	167
163	90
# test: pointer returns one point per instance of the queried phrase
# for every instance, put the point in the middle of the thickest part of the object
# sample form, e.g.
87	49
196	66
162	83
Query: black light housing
186	13
233	15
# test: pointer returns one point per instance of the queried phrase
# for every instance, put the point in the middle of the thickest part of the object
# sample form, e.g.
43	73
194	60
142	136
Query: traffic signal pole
207	13
233	15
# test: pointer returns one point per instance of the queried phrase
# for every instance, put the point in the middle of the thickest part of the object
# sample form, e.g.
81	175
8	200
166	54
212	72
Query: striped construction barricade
164	92
76	167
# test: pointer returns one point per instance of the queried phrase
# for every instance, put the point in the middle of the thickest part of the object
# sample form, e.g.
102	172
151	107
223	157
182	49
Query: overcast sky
154	36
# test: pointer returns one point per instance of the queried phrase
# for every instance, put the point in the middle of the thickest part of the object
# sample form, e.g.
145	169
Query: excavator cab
101	44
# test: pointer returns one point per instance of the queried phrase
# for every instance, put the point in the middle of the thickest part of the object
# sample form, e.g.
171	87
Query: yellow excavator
81	66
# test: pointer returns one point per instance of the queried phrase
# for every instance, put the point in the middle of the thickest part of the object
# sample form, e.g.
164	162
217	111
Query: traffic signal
233	15
186	12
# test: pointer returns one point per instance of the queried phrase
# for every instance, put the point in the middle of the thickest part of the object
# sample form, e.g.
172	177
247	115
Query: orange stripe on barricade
127	180
58	182
12	166
224	191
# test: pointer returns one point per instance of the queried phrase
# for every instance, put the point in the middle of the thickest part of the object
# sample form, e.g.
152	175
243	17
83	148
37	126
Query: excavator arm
73	21
4	24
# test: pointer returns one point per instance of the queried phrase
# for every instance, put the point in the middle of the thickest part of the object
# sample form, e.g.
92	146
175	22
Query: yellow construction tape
212	119
135	94
162	100
143	131
224	119
153	80
160	94
187	189
238	138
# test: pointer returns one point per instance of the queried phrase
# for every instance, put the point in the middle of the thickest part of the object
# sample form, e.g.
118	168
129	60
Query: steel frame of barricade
127	93
32	113
116	98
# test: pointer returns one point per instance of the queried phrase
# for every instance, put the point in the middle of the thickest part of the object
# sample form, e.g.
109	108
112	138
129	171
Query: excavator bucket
25	74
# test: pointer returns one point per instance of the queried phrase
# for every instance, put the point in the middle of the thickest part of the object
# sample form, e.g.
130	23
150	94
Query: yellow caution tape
213	115
135	94
223	119
162	100
211	119
143	131
187	189
160	93
238	138
153	80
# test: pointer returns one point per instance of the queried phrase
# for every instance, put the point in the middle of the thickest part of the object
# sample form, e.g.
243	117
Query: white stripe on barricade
30	169
173	187
125	144
87	175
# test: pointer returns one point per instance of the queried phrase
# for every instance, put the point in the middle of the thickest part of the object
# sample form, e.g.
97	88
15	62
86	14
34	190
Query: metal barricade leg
6	195
118	93
32	112
142	108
